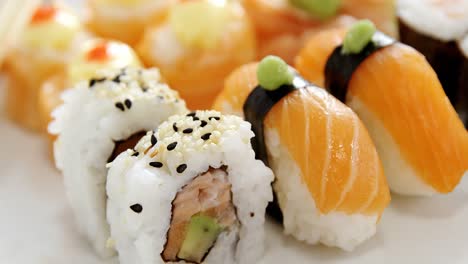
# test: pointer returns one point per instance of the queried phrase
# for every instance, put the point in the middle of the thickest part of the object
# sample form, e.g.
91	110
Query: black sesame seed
156	164
95	80
181	168
116	79
172	146
252	214
203	123
137	208
144	89
120	106
174	126
206	136
128	103
136	154
192	114
154	140
214	117
187	131
195	118
160	97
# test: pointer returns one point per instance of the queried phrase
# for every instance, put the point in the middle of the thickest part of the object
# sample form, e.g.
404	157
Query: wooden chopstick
14	15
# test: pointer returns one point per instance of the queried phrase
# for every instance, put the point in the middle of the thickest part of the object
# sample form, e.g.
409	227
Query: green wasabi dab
358	36
272	72
321	9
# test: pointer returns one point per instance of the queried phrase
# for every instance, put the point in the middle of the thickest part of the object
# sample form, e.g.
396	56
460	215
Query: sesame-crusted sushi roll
125	20
98	120
191	192
43	49
197	46
330	187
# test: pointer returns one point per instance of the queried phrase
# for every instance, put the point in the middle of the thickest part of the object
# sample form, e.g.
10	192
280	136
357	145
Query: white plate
36	225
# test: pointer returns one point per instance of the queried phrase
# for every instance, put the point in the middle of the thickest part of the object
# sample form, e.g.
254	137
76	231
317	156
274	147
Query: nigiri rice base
301	218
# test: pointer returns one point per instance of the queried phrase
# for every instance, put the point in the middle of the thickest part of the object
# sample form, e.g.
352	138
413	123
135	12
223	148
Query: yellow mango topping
200	24
51	28
97	55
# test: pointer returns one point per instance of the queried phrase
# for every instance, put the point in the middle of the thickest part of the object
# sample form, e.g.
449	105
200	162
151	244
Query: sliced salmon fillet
401	90
328	142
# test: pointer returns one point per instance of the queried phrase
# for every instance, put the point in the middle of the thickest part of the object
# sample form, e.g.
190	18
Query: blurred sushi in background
282	26
44	48
197	46
190	192
391	86
437	29
94	56
124	20
329	185
99	119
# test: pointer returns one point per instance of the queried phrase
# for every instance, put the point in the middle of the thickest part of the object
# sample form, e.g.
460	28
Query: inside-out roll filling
201	211
123	145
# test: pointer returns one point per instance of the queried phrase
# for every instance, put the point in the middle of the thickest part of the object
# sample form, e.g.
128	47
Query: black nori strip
256	107
340	67
447	60
137	208
123	145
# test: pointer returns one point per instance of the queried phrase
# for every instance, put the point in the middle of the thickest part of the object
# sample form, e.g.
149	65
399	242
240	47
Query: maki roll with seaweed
391	86
190	192
198	45
43	50
436	29
98	120
329	185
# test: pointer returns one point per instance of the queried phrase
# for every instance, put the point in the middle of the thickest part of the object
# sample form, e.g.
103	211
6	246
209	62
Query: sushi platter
234	131
37	224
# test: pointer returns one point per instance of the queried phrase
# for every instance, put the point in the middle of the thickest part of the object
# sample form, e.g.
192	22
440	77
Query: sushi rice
93	117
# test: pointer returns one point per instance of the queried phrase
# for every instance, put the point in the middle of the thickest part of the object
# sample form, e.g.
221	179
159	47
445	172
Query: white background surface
36	225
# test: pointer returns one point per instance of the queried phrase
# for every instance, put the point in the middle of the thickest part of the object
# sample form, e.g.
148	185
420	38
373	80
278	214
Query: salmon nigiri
420	139
197	46
330	185
283	26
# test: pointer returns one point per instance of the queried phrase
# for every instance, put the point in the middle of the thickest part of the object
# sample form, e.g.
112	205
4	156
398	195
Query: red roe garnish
98	52
44	13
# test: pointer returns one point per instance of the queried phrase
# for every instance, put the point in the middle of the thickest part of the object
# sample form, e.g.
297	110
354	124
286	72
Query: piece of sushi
420	139
43	49
197	46
329	182
93	56
125	20
99	119
436	29
283	26
191	192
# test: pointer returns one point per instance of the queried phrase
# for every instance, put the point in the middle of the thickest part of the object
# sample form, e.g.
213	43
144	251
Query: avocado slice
202	232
